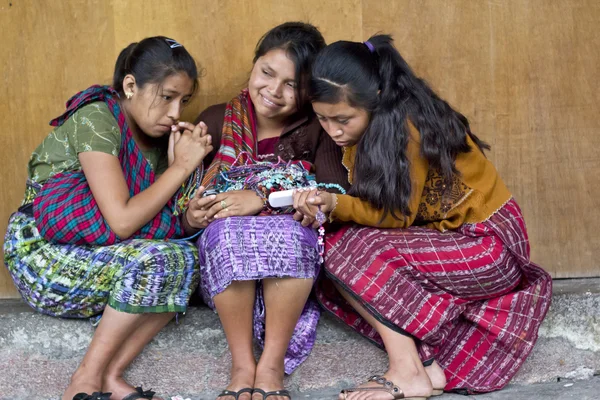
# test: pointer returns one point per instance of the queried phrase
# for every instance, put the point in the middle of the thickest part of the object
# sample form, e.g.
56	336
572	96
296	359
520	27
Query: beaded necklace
264	178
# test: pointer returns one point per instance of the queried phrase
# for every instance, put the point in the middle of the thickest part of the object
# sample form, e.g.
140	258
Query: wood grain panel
51	50
222	35
54	49
524	72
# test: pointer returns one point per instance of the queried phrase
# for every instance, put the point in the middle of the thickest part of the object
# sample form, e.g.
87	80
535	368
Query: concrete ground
581	390
39	353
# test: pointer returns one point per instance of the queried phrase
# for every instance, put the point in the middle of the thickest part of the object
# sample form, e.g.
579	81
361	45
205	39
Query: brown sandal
386	386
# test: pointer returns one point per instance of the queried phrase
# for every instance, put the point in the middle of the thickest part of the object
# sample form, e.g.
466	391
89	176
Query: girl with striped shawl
433	261
257	269
99	197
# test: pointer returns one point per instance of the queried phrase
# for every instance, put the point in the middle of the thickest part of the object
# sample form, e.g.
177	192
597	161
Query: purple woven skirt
258	247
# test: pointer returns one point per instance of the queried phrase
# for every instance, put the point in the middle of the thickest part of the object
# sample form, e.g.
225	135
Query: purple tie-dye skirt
258	247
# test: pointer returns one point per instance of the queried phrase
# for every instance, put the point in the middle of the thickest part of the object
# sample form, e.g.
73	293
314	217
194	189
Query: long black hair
301	42
374	76
152	60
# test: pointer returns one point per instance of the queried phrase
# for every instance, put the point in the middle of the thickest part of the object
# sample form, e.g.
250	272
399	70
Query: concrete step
39	353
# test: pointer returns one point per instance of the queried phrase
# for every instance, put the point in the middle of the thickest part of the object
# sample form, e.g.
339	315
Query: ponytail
122	67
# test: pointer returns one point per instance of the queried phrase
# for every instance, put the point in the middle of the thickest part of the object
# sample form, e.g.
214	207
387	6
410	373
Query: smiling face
272	86
155	107
344	123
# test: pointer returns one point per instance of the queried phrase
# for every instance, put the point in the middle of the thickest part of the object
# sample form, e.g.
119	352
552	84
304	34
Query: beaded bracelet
187	191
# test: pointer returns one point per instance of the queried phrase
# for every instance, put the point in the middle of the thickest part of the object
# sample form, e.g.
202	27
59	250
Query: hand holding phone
285	198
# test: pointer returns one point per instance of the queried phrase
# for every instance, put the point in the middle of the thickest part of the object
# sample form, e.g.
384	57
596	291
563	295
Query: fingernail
173	127
213	196
181	123
311	200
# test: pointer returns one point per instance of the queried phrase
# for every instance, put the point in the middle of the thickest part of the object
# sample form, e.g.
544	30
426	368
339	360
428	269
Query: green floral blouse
91	128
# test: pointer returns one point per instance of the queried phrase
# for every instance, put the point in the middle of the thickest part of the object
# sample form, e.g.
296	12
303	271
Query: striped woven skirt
258	247
471	298
74	281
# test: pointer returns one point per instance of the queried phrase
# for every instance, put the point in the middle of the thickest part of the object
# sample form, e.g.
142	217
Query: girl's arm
346	208
124	214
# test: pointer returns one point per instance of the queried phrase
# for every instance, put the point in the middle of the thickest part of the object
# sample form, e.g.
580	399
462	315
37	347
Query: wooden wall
525	72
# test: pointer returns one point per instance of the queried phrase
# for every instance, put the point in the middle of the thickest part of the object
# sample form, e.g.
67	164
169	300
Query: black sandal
280	392
140	394
93	396
237	394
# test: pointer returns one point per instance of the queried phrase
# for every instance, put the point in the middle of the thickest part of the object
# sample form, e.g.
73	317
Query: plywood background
525	72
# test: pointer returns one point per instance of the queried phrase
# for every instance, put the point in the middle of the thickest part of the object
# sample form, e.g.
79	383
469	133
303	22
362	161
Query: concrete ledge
39	353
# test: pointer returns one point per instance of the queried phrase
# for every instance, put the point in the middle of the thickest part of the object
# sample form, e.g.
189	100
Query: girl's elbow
122	229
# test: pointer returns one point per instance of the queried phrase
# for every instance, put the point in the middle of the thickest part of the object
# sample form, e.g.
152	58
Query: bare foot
269	379
414	384
81	384
436	376
241	378
119	387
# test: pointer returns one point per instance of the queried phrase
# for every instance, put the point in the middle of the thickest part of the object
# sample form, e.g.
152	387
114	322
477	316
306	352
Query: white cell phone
283	198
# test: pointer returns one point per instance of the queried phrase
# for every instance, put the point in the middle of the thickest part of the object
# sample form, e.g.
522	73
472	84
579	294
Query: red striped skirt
471	298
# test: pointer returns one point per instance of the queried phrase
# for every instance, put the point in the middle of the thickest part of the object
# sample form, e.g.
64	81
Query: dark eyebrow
267	66
340	116
170	91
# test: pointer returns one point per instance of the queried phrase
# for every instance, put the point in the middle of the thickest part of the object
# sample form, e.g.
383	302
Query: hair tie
369	46
173	43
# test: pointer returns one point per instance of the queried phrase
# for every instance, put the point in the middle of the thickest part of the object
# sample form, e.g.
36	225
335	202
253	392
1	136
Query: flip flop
235	395
140	394
385	386
280	392
93	396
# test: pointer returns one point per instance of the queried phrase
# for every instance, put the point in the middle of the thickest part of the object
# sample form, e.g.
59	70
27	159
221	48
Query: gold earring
129	95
